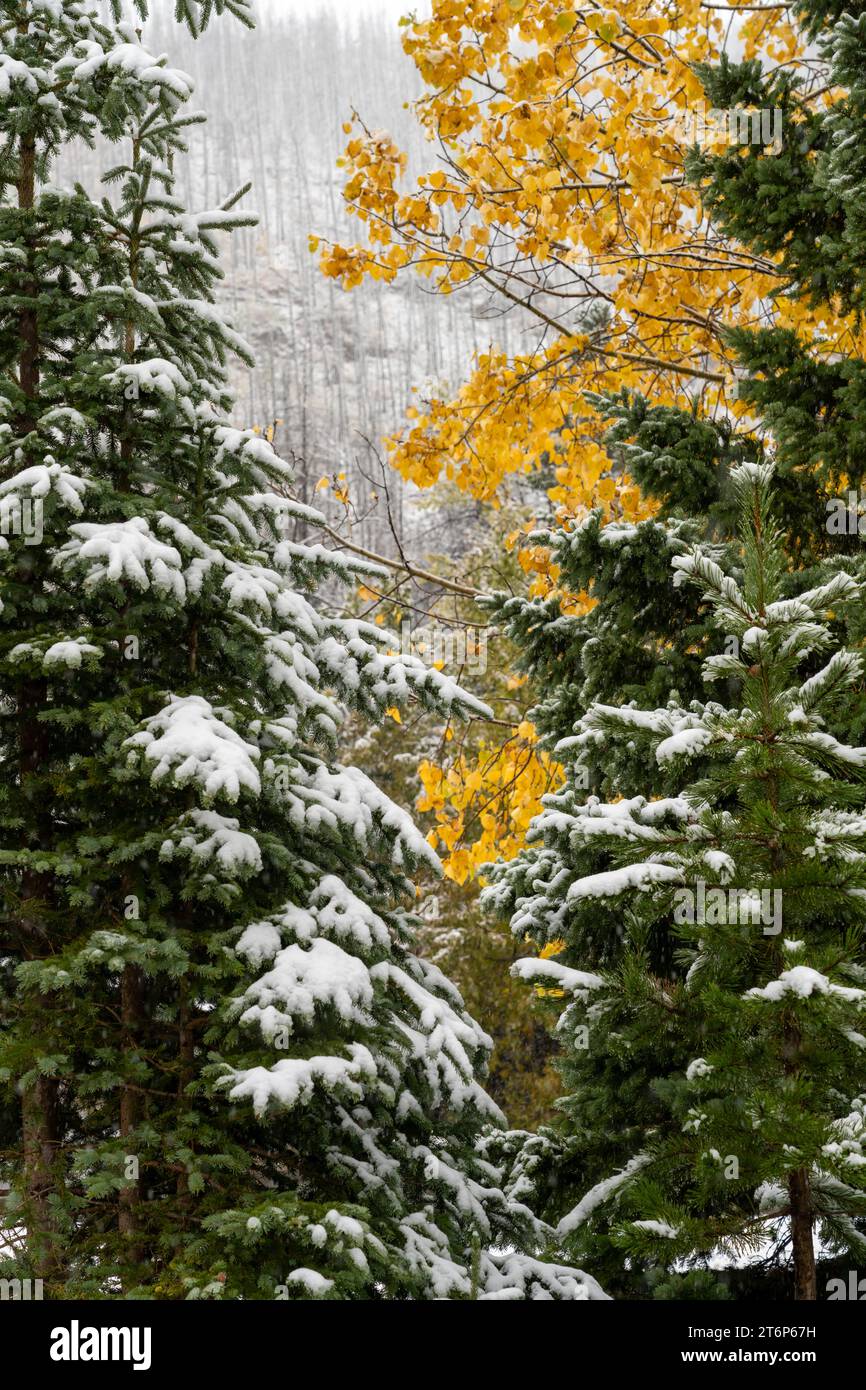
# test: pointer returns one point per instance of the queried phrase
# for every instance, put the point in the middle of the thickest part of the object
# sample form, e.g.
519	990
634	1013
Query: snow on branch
192	742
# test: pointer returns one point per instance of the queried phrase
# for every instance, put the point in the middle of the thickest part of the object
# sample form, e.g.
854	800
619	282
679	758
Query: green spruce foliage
751	879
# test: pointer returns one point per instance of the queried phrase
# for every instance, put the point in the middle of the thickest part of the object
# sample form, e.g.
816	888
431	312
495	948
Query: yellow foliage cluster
562	136
553	948
483	804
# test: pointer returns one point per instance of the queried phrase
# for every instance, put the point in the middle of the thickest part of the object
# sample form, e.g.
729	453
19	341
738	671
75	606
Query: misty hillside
335	368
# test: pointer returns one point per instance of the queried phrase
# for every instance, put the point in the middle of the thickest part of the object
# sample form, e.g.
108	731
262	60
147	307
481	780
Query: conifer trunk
800	1198
186	1073
805	1271
132	1004
40	1125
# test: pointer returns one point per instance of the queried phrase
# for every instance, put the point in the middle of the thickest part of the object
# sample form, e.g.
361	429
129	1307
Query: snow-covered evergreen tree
641	639
644	641
758	868
235	1078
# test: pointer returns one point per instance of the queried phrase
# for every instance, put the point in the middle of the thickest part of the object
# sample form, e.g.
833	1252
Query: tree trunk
186	1074
40	1101
805	1272
40	1125
132	1004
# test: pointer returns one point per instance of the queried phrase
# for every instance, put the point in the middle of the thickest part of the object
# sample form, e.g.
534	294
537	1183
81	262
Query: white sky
347	7
344	11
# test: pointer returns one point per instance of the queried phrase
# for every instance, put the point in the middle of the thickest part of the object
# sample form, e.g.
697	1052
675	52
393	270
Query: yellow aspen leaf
552	948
